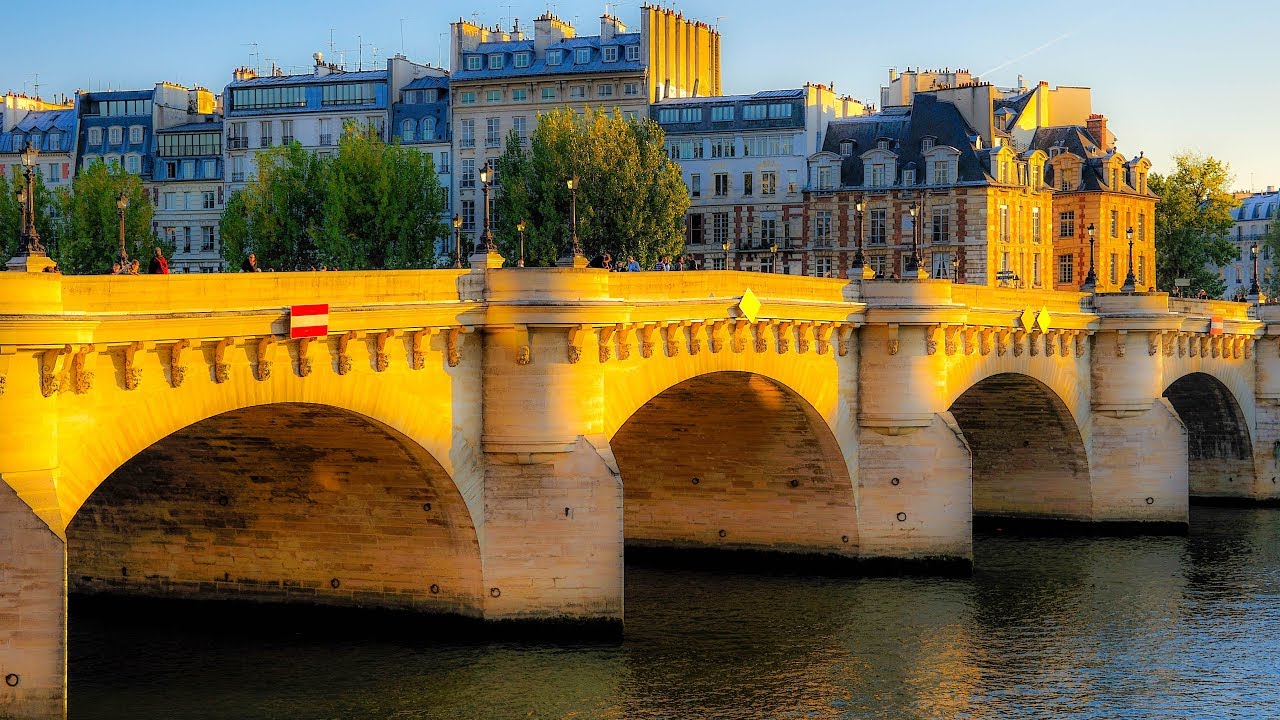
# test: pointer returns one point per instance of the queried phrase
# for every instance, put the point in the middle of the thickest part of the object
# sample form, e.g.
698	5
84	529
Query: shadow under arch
281	502
1028	456
1219	446
734	460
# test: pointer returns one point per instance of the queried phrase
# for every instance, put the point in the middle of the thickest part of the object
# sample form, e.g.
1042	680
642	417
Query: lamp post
29	238
859	267
457	241
520	226
1090	280
1255	292
1130	282
725	246
773	254
487	174
122	204
573	184
955	269
915	261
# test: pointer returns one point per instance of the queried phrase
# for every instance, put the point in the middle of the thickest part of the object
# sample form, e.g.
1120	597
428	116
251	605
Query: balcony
237	143
237	177
492	142
287	139
468	142
326	139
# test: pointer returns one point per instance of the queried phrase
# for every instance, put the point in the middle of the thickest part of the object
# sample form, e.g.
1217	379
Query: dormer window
846	148
521	59
882	144
909	177
555	57
495	61
926	144
1055	151
582	56
633	53
475	62
611	53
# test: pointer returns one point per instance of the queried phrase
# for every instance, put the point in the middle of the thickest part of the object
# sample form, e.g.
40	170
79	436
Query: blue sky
1169	75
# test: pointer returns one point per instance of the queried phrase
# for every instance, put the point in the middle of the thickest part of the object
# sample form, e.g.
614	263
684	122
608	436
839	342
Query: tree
632	198
90	241
48	224
1193	219
372	206
1270	246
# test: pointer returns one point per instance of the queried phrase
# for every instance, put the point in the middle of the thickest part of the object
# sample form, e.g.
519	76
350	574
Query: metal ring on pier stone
334	583
1151	501
12	680
426	507
435	589
894	481
494	592
844	538
723	533
902	517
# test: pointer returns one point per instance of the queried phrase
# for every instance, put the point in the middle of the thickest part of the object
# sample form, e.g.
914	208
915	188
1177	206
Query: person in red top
158	265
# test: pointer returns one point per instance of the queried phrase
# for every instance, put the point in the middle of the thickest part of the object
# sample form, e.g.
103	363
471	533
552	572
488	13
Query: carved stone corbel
421	341
695	331
1205	344
344	354
894	342
264	348
1122	342
177	371
715	335
931	339
1018	335
1215	347
1064	343
951	342
762	343
844	336
381	358
670	338
1050	343
1081	339
624	341
1166	343
52	370
82	380
606	342
1248	348
804	333
1002	342
1033	341
738	336
577	334
6	355
132	373
453	346
822	334
969	344
783	339
304	359
646	339
1182	344
1237	347
985	337
221	369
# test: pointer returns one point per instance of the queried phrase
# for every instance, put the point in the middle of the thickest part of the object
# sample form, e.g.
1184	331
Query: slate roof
42	121
1077	140
428	82
905	128
193	127
312	79
539	66
1258	207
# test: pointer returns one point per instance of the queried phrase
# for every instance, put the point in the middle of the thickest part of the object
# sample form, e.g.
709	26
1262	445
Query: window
428	129
631	89
133	164
1067	224
694	225
768	232
878	264
766	265
475	62
926	144
1035	225
747	184
822	267
492	132
1004	223
684	149
548	93
611	53
779	111
495	61
582	56
555	57
207	199
135	134
722	184
1142	227
878	226
206	238
237	168
768	182
326	132
467	128
443	165
630	115
188	169
95	136
878	175
767	145
191	144
1066	269
720	228
468	179
822	228
754	112
521	59
268	97
264	134
941	172
115	135
605	90
941	262
695	185
54	172
1142	270
493	96
186	239
577	92
467	98
633	53
408	129
846	148
826	177
520	95
348	94
717	263
723	113
469	215
1115	223
941	230
1035	270
286	132
909	177
723	147
519	123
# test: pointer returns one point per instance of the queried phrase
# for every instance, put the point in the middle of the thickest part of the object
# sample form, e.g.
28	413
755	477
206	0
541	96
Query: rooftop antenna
252	54
359	53
401	36
37	89
330	42
718	19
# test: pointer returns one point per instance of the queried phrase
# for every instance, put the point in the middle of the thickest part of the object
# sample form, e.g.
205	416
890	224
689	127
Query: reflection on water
1063	628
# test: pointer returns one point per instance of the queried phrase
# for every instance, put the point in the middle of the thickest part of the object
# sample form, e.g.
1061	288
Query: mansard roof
1078	141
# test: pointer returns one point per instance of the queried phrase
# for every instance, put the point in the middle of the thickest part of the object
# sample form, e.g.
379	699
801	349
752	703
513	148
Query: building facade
420	120
1253	220
502	81
187	188
744	160
49	126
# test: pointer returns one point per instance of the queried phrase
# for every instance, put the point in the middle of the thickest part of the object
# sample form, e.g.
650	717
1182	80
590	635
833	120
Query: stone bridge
486	442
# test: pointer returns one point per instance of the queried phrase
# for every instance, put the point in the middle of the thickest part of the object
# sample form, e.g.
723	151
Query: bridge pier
1266	445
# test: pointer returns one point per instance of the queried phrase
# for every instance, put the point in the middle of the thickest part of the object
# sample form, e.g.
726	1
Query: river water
1169	627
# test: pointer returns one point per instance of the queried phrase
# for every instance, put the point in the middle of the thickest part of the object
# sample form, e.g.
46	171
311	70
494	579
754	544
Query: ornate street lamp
573	184
520	227
1130	282
457	241
487	174
122	204
773	254
29	238
1254	291
859	267
1090	280
725	246
915	261
955	269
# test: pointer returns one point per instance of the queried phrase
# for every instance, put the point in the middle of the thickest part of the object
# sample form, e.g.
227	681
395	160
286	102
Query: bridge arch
734	460
1219	441
1029	457
281	502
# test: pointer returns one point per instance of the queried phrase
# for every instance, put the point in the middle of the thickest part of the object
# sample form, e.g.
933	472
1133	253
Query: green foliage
372	206
91	240
1193	219
48	223
1270	245
632	198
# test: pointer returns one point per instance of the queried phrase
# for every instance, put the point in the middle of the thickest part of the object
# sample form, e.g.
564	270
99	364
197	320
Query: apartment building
187	187
49	126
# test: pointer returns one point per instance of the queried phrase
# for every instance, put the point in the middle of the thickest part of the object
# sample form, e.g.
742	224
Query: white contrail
1026	54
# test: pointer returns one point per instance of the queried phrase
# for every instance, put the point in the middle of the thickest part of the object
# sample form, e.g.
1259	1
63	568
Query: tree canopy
1193	219
90	240
371	206
1270	246
631	199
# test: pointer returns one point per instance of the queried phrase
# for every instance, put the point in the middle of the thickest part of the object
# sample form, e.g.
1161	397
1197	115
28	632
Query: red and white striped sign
308	321
1215	326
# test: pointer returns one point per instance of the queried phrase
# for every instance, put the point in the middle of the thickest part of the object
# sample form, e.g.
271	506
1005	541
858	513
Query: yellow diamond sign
749	305
1043	320
1027	319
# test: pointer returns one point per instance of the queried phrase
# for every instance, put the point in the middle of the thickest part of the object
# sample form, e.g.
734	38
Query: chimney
549	30
609	27
1097	126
